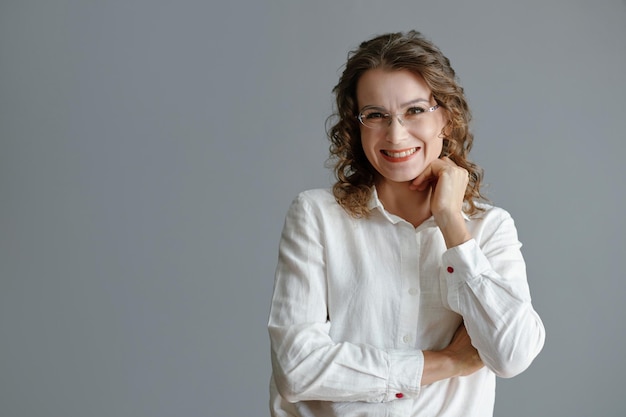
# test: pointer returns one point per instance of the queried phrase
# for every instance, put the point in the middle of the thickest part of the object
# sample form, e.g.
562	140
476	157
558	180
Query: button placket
409	311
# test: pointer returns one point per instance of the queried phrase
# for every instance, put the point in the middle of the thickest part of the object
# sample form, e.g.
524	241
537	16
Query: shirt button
413	291
399	395
407	339
450	269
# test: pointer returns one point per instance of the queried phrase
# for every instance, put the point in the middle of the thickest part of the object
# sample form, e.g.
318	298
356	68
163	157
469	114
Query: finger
422	180
429	173
423	185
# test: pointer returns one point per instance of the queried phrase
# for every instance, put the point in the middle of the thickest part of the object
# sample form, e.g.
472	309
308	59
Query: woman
398	292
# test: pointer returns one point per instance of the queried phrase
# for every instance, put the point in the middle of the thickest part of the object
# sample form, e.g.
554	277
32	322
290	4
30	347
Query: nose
396	131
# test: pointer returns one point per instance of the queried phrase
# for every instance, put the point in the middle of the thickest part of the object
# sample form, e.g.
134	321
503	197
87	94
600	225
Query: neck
412	206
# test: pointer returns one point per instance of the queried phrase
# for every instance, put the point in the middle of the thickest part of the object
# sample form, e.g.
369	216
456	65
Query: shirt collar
375	203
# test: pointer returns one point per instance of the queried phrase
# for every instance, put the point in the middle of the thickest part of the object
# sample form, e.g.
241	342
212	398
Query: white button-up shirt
357	300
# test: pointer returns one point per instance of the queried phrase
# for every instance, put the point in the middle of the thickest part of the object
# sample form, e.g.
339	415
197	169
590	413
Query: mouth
399	156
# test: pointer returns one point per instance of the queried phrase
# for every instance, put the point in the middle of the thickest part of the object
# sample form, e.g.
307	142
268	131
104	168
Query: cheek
435	149
433	144
432	137
435	135
367	142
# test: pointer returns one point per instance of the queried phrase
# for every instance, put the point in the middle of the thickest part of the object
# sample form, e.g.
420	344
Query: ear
445	149
445	121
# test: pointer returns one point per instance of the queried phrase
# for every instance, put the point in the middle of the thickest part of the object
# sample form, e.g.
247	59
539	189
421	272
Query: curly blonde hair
396	51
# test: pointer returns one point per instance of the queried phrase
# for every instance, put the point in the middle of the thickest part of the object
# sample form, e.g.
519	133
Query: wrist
453	228
438	365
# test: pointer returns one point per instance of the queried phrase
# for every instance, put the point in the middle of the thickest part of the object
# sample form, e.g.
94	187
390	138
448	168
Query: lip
399	155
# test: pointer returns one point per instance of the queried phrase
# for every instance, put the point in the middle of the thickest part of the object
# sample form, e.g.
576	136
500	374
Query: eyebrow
408	103
417	100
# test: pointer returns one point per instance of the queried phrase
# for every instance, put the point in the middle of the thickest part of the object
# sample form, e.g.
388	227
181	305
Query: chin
401	178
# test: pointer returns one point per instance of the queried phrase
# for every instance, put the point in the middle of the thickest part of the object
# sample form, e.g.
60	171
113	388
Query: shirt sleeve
487	285
307	364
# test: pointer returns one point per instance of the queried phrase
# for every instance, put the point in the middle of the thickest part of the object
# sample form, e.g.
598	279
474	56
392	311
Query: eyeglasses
378	118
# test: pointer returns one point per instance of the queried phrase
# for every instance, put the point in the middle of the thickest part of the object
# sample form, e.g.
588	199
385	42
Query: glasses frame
397	116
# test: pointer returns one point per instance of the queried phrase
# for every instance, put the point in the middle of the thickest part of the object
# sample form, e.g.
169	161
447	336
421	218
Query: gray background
149	151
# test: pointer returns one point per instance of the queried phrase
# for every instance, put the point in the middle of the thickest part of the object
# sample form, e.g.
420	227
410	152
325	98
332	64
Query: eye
374	115
414	111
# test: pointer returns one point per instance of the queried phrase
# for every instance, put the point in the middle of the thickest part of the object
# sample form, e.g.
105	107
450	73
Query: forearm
508	335
437	366
314	379
307	365
459	358
493	297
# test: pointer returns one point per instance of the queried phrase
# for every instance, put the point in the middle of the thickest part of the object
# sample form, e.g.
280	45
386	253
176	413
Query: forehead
390	88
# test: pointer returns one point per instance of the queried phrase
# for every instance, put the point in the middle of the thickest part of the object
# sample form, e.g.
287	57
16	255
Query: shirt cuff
463	263
405	374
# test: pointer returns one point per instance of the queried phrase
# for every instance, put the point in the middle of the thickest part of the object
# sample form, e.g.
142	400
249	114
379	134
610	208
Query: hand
459	358
448	182
464	356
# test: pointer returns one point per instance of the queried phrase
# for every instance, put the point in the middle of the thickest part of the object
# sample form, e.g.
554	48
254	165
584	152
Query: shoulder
320	199
317	196
319	203
488	212
313	214
491	221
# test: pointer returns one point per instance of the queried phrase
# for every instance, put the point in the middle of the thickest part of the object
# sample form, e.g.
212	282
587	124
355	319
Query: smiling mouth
401	154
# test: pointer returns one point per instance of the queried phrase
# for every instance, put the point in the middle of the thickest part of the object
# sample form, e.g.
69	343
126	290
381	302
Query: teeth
400	154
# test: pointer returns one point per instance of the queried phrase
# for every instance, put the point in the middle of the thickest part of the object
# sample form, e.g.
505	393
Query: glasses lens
412	116
373	118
